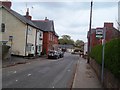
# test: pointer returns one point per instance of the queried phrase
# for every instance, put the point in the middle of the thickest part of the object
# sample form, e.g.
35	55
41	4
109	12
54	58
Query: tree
79	44
66	39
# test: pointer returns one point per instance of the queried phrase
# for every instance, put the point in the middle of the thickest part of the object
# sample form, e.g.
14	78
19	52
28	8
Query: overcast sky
70	17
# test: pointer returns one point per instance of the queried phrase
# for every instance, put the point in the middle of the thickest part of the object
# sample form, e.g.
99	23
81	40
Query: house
111	33
68	48
19	32
85	48
50	37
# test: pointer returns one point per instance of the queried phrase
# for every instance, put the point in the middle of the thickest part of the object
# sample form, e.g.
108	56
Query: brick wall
109	80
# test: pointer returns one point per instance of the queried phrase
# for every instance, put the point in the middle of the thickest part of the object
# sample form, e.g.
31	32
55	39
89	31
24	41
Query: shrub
112	55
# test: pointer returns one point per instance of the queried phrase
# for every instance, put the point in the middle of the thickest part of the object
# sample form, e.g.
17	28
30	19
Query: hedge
112	56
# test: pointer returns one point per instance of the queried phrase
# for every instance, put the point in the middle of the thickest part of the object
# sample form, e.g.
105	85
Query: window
2	27
29	31
40	34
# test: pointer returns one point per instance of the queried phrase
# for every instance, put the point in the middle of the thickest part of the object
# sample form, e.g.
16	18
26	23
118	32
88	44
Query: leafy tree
79	44
66	39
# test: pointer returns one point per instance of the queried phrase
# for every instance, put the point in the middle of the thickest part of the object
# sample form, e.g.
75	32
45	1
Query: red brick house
111	33
50	37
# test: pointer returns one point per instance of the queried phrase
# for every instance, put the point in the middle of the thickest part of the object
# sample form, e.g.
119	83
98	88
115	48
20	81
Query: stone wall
109	80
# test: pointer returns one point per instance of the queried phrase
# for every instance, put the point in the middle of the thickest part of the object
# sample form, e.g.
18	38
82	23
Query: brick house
111	33
50	37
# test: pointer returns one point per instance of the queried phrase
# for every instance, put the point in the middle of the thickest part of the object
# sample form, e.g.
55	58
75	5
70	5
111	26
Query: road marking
29	74
69	70
53	87
29	63
16	80
15	71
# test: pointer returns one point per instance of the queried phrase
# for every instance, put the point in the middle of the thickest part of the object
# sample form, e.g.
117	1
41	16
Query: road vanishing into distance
41	73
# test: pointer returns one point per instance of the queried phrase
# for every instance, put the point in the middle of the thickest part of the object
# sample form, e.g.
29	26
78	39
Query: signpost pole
103	53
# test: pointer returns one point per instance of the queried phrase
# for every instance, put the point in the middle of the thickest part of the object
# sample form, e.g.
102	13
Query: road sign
99	33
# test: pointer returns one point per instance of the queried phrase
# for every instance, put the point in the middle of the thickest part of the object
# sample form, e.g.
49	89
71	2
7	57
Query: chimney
7	4
46	19
27	15
108	25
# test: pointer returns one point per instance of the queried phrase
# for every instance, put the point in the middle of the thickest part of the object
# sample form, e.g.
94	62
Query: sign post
101	34
103	53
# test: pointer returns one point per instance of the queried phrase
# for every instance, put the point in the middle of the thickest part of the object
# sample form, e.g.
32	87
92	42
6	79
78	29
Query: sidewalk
18	60
85	76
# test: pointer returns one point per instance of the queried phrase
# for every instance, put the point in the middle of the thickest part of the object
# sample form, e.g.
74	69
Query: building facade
19	32
111	33
50	37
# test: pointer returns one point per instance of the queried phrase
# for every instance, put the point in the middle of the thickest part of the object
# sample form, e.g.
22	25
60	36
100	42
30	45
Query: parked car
53	54
61	54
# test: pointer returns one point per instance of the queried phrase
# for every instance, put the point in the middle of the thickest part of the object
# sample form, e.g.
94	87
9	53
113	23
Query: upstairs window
2	27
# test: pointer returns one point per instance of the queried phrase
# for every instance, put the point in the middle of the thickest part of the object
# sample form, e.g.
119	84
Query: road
46	73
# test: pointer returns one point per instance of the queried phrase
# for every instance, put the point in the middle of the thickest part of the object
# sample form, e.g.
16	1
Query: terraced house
50	37
19	32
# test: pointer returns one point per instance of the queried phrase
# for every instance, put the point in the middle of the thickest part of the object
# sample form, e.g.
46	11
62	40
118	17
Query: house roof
65	46
45	25
20	17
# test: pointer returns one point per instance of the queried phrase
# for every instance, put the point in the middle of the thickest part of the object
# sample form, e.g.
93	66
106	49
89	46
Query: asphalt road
48	73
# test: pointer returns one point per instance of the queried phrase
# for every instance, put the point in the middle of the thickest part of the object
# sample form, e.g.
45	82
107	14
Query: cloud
71	18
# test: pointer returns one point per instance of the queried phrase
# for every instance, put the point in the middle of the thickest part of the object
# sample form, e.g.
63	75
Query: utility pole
90	33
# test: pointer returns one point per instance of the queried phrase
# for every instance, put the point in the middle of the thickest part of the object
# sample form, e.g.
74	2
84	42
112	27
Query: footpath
85	76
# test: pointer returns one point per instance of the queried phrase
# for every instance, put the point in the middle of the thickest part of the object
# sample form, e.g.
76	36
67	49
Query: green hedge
112	56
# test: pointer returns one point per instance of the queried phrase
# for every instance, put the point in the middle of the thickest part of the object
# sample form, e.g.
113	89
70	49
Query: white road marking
53	87
16	80
69	70
29	74
15	71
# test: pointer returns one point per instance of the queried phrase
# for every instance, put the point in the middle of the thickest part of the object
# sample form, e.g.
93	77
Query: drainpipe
26	40
36	42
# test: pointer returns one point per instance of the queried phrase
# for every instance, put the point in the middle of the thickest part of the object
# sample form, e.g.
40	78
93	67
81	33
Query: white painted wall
14	27
85	47
39	41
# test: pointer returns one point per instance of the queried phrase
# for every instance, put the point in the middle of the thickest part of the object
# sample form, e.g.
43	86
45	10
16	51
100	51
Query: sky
71	17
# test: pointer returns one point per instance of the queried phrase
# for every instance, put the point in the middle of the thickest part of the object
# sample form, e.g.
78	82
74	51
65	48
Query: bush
112	55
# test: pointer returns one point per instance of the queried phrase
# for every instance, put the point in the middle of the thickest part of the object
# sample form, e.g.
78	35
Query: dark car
53	54
61	54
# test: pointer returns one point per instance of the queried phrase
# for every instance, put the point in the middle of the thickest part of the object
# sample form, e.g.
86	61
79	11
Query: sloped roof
20	17
46	25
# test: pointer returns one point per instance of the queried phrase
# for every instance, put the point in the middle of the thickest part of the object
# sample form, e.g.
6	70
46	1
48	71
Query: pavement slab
85	76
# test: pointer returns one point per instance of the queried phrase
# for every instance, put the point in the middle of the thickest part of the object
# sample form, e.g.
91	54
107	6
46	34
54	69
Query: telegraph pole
90	38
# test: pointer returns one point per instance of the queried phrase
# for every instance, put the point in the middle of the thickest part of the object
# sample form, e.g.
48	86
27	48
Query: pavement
19	60
85	76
